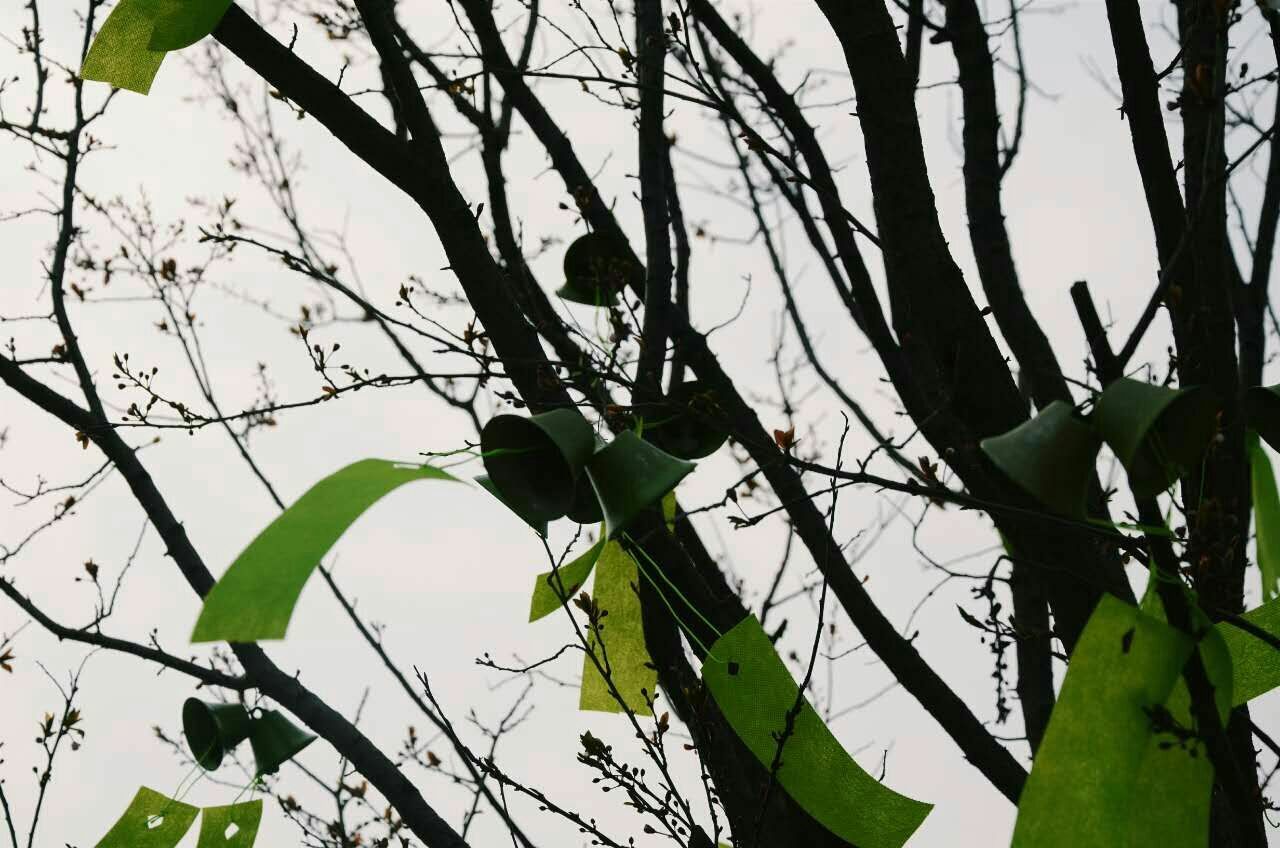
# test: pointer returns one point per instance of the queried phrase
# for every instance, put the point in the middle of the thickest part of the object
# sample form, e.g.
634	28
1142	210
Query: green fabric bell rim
535	462
594	273
1050	457
688	424
1262	412
1158	434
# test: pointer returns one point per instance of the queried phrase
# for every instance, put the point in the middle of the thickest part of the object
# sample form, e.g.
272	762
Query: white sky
444	568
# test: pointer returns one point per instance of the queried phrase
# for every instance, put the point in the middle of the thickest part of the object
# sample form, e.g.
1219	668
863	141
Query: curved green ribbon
1266	516
1090	766
128	50
121	54
571	578
215	821
152	820
755	692
622	634
1256	663
255	598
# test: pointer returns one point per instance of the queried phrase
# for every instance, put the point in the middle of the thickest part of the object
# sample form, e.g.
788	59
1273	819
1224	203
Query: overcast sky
444	567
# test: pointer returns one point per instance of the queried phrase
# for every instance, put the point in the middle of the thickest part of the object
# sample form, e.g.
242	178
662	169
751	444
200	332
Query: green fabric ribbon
755	691
1089	771
255	598
152	820
216	821
1266	516
128	50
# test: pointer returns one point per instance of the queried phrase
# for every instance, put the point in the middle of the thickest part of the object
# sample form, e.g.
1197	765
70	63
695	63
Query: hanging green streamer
1175	767
183	24
121	54
622	632
630	666
1082	788
151	821
1256	663
755	692
1266	517
216	821
572	577
255	598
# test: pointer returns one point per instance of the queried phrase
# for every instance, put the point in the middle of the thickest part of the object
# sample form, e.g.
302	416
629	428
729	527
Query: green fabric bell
629	475
1158	434
1051	457
534	463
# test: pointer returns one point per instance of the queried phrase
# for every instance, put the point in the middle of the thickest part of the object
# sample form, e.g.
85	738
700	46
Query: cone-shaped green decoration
539	527
1157	433
1051	457
1262	411
586	506
630	474
689	424
276	740
213	729
593	273
535	462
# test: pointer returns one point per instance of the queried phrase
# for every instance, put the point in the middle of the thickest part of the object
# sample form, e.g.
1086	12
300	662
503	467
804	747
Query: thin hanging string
177	795
688	631
673	586
252	784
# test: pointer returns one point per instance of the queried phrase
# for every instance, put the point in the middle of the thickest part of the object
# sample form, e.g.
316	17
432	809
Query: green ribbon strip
1089	769
572	577
622	632
216	821
129	48
151	821
255	598
755	692
1256	663
1174	768
121	54
630	666
1266	516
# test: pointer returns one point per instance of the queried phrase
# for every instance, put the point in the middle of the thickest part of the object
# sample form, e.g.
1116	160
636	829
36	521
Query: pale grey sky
444	567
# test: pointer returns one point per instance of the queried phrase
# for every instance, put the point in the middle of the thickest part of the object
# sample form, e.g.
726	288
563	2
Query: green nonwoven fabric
184	23
121	54
622	633
1266	517
151	821
1083	784
216	821
572	577
254	599
755	692
1256	663
1175	782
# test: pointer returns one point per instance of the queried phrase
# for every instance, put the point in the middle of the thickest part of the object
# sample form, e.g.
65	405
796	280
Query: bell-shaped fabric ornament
629	474
689	423
213	729
1262	411
586	506
1157	433
276	740
594	273
539	527
1051	457
535	462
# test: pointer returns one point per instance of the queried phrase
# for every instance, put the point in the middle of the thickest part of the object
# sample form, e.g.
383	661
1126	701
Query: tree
639	360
